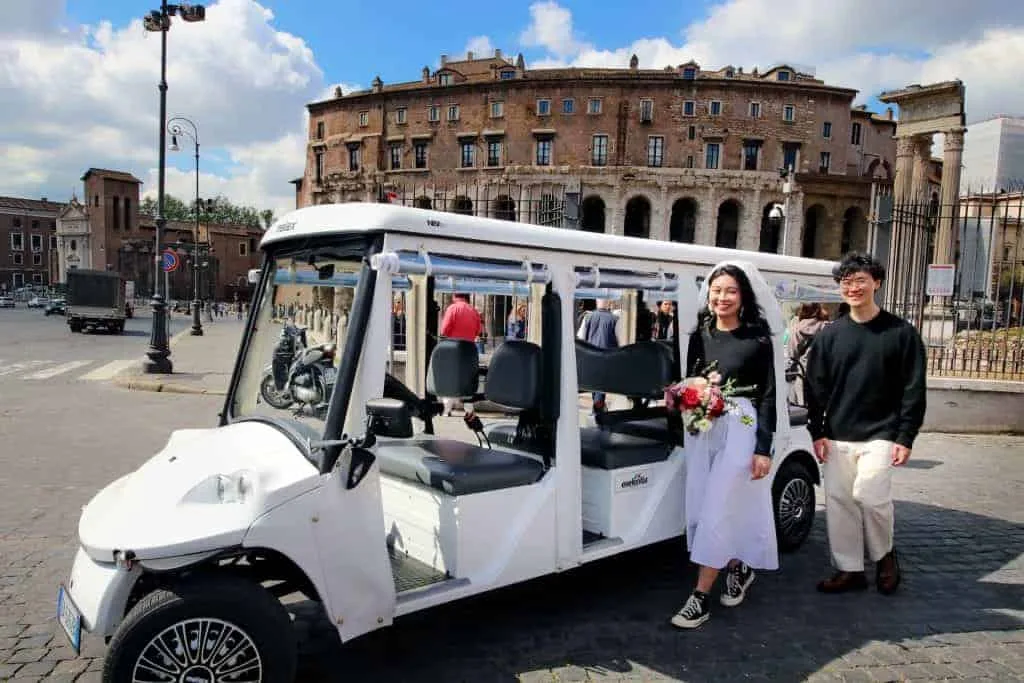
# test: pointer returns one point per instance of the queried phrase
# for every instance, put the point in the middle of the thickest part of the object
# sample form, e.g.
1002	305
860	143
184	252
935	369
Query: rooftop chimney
378	84
634	62
469	56
444	59
45	199
888	113
497	53
426	74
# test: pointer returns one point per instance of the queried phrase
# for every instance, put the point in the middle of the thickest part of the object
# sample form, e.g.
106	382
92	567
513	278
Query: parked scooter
299	374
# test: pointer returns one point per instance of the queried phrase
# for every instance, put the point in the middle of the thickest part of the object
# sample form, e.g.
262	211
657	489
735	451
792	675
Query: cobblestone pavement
959	614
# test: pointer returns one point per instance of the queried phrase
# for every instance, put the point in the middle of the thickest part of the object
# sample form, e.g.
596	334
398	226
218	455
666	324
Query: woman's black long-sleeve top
744	355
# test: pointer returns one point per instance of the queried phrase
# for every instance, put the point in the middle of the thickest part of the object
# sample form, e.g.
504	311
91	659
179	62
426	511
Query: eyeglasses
855	283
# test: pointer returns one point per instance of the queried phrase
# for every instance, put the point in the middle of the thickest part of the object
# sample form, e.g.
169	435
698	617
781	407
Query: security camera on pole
779	213
159	21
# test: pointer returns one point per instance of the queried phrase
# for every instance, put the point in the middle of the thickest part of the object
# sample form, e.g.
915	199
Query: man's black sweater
866	381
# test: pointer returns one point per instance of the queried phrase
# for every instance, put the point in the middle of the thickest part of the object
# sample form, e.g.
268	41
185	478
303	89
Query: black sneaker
694	613
737	581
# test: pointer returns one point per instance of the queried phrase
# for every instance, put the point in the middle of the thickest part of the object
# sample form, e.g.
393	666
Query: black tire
274	398
234	611
793	504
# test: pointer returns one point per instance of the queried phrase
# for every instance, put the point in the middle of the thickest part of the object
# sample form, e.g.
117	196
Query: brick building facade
28	248
678	153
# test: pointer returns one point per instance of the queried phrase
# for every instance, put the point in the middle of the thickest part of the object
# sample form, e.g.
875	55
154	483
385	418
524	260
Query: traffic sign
170	261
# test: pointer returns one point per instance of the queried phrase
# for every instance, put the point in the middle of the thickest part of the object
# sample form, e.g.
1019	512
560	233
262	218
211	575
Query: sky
78	81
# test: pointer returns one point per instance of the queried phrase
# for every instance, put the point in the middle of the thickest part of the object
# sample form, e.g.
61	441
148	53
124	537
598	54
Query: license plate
70	619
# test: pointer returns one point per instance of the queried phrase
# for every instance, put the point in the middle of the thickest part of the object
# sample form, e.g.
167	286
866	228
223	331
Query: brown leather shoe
843	582
887	573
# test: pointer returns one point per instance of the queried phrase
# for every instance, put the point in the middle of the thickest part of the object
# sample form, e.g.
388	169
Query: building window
711	155
18	279
826	161
37	242
37	259
655	151
353	158
318	165
543	152
396	157
691	133
599	150
453	112
826	129
420	154
319	130
790	153
689	73
434	113
751	151
646	111
17	241
53	242
543	107
783	76
364	119
788	113
855	134
755	110
508	75
96	200
729	73
37	278
35	224
15	222
18	258
467	148
715	108
689	108
494	153
401	116
594	105
243	249
127	214
497	110
444	79
689	161
569	106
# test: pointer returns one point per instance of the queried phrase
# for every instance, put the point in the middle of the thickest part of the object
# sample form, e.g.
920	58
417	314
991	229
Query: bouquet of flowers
703	398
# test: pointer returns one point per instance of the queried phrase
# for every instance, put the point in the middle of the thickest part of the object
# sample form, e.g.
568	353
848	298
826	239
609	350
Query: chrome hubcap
199	651
795	506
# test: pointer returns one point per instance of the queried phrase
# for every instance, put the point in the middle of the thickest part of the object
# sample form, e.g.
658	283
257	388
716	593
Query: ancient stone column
922	160
952	155
904	180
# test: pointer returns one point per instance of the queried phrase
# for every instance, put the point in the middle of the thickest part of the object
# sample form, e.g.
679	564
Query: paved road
35	347
959	616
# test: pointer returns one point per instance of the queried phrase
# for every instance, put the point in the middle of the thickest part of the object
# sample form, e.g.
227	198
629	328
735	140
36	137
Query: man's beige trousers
858	491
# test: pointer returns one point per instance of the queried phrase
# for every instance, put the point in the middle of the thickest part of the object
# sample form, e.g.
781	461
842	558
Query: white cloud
870	45
243	82
480	46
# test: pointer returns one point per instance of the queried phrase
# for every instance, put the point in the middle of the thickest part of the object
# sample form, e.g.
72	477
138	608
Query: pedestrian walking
810	319
600	328
460	321
866	402
729	520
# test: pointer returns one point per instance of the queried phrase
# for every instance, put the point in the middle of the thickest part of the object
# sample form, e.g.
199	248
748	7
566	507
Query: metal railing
540	204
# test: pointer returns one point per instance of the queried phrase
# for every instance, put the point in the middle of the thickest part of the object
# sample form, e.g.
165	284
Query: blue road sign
170	261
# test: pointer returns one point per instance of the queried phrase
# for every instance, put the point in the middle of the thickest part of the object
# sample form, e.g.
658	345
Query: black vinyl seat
608	450
457	468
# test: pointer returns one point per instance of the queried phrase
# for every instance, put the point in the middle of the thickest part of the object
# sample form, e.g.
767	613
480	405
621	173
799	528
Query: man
601	329
460	321
866	401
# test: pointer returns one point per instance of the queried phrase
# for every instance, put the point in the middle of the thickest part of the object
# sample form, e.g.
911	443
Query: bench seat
455	467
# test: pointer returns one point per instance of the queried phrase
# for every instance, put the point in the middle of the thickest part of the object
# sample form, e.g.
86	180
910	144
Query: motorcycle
275	387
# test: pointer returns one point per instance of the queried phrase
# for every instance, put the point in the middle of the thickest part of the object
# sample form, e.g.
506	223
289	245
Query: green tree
216	210
268	217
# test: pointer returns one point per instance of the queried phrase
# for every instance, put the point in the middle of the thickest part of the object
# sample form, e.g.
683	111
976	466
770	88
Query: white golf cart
374	504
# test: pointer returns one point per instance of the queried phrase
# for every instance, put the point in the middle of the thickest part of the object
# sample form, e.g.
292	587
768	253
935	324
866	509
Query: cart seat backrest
514	376
454	369
639	370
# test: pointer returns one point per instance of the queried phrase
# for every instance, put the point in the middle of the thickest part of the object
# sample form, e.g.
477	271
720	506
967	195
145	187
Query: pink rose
715	377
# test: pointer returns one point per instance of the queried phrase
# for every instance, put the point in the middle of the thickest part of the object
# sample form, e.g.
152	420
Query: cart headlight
232	488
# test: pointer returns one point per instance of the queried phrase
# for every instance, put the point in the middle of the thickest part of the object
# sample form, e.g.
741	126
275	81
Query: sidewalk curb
139	384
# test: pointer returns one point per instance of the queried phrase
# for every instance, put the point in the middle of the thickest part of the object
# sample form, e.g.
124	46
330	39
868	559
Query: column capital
954	140
905	147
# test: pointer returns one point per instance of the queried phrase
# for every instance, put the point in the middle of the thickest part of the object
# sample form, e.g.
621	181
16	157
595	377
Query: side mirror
389	417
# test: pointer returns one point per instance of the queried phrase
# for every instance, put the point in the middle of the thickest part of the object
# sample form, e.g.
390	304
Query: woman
729	522
515	326
809	320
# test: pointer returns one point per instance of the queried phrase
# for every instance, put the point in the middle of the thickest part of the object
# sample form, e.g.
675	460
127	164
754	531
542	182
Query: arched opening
771	231
855	231
814	225
504	208
879	169
422	202
638	217
592	211
682	226
463	205
728	231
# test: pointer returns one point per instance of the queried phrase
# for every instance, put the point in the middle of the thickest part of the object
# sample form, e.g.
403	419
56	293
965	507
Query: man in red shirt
460	321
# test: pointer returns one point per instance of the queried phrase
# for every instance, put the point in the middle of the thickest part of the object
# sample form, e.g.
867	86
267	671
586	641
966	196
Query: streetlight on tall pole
159	352
175	128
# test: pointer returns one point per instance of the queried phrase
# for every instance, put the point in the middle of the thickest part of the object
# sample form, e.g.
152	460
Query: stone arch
879	168
814	228
638	217
592	212
682	226
854	236
463	205
504	208
727	232
422	202
771	231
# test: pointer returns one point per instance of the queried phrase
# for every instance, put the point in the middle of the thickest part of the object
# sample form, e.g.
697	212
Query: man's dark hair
856	262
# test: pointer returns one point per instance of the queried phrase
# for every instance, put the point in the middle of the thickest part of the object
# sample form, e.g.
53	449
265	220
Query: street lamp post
174	127
159	21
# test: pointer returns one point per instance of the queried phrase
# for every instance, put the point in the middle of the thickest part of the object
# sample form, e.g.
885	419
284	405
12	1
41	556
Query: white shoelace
692	608
734	580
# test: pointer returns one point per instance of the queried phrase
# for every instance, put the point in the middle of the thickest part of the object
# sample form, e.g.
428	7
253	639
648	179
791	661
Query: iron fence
540	204
972	326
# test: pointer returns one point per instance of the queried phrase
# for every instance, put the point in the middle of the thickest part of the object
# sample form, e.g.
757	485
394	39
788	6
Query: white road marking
24	365
58	370
108	371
